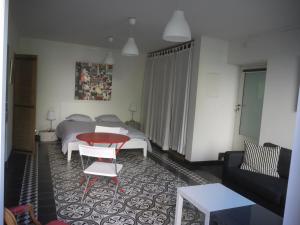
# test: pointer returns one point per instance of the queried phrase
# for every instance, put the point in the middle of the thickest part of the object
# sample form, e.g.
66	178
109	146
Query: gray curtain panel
180	99
166	97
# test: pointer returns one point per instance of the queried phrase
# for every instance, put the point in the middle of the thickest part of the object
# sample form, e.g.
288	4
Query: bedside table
47	136
133	124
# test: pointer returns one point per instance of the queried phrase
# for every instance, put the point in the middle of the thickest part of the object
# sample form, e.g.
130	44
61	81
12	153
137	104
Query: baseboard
195	165
180	159
21	151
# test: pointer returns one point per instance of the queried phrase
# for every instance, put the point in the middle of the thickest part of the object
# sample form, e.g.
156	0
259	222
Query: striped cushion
261	159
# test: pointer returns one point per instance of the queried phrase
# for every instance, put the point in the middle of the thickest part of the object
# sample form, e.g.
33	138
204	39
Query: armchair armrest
233	158
9	215
21	209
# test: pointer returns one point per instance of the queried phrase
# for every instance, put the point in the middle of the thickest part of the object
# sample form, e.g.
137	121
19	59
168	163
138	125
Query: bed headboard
89	108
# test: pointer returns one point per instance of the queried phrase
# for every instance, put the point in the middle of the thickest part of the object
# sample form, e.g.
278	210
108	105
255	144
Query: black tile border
46	202
14	171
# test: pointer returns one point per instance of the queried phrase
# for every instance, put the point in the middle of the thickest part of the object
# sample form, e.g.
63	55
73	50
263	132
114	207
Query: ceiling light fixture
177	29
130	48
109	59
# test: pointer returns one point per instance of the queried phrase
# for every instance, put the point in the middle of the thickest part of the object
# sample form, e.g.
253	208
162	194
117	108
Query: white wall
13	38
292	207
56	80
281	51
216	97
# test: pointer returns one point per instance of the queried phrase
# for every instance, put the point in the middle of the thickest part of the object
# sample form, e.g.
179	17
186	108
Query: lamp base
51	129
132	115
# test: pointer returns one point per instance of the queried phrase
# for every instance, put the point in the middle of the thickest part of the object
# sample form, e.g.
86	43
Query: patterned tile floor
149	184
149	197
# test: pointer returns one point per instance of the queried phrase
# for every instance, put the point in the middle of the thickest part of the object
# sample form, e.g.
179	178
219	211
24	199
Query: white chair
114	130
102	129
107	169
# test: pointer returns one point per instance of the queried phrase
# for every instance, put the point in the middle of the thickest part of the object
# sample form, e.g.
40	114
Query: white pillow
107	118
261	159
79	117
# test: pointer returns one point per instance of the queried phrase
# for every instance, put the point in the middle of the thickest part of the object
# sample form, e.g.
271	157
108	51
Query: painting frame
93	81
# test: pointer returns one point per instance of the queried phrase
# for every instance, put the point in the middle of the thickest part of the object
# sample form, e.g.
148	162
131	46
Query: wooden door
24	102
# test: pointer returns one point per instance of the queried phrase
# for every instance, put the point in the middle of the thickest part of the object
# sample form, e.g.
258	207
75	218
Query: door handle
237	107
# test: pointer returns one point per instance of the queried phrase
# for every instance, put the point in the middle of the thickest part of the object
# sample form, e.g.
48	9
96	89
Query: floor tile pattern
29	190
180	169
149	197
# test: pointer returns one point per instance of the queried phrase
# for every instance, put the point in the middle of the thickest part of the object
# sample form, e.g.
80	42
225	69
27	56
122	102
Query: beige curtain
166	97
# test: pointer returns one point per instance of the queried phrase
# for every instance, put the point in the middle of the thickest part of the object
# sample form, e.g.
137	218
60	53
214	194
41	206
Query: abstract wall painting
93	81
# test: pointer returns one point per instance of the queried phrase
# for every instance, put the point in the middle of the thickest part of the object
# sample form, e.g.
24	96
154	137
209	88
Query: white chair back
102	129
97	151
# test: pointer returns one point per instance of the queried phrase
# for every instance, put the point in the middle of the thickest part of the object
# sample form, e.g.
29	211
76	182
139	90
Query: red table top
102	138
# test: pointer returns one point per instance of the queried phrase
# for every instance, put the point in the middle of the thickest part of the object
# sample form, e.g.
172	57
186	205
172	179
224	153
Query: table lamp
51	117
132	109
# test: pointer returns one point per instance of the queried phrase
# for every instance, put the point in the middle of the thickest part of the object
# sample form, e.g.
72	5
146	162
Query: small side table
134	124
47	136
208	198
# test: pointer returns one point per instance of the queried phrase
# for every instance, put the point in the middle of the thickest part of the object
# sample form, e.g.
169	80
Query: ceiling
90	22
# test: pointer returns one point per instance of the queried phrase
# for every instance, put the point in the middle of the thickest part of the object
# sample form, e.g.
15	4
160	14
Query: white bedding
67	131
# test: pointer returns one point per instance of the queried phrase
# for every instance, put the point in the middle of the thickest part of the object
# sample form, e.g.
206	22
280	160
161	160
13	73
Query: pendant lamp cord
177	5
132	22
131	30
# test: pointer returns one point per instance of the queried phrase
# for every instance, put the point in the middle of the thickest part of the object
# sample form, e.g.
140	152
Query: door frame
29	57
238	139
3	59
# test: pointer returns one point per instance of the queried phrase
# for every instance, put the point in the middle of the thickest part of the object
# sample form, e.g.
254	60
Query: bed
68	129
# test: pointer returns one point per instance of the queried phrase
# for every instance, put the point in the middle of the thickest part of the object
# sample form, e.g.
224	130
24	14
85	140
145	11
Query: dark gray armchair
265	190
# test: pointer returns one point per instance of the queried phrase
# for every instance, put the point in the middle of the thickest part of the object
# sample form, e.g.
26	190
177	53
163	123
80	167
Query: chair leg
116	190
86	186
88	161
69	155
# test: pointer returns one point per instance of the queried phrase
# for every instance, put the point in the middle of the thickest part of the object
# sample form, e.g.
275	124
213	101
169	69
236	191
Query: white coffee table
208	198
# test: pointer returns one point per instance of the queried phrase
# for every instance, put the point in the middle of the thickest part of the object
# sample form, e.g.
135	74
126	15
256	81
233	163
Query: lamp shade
132	107
109	59
130	48
51	115
177	29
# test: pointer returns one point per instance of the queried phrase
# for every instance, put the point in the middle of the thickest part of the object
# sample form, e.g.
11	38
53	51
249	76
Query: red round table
103	138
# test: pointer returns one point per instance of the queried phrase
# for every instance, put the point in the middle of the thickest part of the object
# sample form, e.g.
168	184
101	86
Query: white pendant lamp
177	29
109	59
130	48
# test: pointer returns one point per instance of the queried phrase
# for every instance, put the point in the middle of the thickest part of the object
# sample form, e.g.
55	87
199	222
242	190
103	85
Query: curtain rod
171	49
254	70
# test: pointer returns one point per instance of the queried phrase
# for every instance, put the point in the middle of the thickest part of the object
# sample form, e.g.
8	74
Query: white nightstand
134	124
47	136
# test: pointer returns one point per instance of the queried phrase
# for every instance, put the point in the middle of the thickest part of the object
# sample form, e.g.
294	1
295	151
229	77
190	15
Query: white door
249	107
